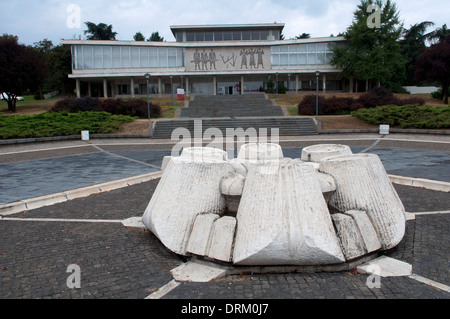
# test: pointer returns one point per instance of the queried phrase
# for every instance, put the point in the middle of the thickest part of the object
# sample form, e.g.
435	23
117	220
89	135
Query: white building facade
214	59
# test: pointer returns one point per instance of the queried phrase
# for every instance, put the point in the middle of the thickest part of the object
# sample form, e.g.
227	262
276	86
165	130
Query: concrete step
287	126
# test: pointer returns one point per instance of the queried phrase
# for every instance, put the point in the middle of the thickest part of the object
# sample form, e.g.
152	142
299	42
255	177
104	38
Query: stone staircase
203	106
287	126
252	113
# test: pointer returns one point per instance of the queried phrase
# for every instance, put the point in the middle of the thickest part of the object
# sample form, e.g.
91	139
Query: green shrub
60	124
407	116
131	107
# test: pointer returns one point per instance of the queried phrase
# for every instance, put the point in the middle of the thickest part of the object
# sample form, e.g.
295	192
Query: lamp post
276	83
171	88
147	77
289	88
317	94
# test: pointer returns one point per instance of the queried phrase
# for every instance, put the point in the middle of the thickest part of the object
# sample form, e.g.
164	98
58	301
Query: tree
372	52
412	45
99	31
21	69
139	37
156	37
439	35
303	36
434	65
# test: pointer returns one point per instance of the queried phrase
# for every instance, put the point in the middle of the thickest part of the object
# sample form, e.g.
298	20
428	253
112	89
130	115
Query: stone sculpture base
331	209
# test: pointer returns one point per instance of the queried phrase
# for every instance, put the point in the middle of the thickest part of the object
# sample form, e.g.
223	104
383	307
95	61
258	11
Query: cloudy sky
35	20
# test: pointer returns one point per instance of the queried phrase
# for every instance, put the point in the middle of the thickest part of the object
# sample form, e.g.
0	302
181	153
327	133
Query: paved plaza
121	261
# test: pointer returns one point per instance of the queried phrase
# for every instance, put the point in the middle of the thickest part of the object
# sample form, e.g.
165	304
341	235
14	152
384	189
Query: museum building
206	59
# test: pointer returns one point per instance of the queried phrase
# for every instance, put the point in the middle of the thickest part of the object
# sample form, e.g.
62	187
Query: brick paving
125	263
117	262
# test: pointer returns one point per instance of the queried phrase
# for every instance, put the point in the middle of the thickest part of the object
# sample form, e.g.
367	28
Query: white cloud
35	20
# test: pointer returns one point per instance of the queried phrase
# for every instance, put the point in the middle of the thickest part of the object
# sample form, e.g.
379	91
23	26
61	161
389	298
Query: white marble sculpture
329	207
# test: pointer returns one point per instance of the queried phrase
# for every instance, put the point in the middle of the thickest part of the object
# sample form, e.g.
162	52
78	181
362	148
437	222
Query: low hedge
60	124
131	107
407	116
336	105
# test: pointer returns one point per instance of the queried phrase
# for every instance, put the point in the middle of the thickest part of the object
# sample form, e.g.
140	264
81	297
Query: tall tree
21	69
99	31
156	37
439	35
303	36
434	65
139	37
372	52
412	46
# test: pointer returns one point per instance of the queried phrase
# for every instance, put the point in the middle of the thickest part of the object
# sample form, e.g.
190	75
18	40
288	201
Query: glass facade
302	54
92	57
199	36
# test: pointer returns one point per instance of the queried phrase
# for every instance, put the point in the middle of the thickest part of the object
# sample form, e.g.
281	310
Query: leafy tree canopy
373	52
99	31
21	69
156	37
434	65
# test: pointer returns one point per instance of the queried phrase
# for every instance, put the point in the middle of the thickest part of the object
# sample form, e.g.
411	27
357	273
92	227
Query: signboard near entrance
180	94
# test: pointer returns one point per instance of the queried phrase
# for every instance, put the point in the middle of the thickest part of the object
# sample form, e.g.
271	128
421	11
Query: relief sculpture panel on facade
224	59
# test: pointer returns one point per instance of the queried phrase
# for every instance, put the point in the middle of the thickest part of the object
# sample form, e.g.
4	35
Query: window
88	57
209	36
144	62
218	36
126	57
264	35
135	57
107	57
237	36
227	36
116	57
98	57
190	36
246	35
199	36
153	55
162	57
172	57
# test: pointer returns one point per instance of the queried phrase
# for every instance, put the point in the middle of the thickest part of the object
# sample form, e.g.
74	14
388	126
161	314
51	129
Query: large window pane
162	57
88	57
144	62
218	36
284	59
209	36
116	57
78	57
227	36
153	57
237	36
172	53
135	63
98	57
321	58
190	36
312	58
275	59
264	35
292	59
320	47
107	57
301	59
199	36
126	58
